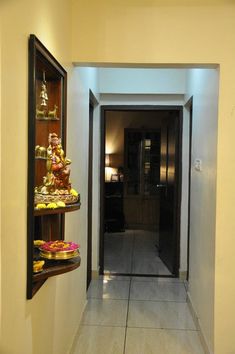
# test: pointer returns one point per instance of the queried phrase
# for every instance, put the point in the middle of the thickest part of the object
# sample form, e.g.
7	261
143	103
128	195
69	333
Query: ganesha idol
56	184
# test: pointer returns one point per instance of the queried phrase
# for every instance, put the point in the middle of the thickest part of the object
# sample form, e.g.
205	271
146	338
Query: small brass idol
43	93
40	152
53	114
40	113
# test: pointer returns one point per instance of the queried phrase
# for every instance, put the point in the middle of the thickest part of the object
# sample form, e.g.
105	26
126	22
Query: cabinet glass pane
151	162
142	173
133	163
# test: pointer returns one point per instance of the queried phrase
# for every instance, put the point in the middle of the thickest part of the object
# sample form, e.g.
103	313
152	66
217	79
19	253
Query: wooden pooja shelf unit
47	116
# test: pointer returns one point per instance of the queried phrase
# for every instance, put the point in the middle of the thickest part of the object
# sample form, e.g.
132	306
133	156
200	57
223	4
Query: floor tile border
101	299
108	280
159	279
148	300
99	325
110	298
165	329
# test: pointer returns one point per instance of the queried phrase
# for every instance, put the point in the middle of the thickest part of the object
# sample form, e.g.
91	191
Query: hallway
137	315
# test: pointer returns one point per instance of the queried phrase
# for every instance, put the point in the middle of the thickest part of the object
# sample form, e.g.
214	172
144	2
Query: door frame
189	107
92	104
103	110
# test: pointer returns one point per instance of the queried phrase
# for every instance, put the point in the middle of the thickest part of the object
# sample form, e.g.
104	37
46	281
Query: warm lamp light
107	160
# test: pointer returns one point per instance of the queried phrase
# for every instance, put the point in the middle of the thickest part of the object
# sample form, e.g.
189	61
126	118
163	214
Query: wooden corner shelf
52	268
66	209
47	118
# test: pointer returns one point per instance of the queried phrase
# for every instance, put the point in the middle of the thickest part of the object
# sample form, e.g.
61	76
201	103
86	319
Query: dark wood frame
92	104
35	281
103	110
189	106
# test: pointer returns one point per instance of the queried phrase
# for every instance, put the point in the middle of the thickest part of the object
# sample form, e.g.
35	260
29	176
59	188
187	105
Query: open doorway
140	190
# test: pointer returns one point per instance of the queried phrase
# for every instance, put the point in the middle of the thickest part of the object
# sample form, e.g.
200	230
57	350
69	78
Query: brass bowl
63	255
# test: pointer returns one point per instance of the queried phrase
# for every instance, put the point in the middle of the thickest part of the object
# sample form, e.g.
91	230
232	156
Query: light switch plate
198	165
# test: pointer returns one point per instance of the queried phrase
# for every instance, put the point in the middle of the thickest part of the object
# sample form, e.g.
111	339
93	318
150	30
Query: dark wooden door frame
92	104
103	110
189	107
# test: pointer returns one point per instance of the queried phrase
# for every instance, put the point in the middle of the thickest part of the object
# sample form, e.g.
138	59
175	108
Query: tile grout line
166	329
135	327
132	253
107	299
128	304
139	300
167	301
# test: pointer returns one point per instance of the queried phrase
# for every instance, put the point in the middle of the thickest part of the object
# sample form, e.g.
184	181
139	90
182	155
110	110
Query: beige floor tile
158	341
109	289
105	312
160	314
100	340
117	264
158	291
147	263
133	252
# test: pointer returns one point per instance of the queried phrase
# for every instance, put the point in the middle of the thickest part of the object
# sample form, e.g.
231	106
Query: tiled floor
132	252
137	315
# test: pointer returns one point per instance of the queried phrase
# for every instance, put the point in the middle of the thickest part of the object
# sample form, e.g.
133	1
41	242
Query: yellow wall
169	32
0	179
47	323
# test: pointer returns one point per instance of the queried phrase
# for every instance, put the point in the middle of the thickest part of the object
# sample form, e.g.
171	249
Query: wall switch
198	165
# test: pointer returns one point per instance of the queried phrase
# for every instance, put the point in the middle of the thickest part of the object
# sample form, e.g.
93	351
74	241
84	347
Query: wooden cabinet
142	178
142	161
47	116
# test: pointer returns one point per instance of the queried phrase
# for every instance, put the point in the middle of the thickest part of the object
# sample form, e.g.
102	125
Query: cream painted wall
151	32
203	86
142	81
47	323
169	32
83	80
132	99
